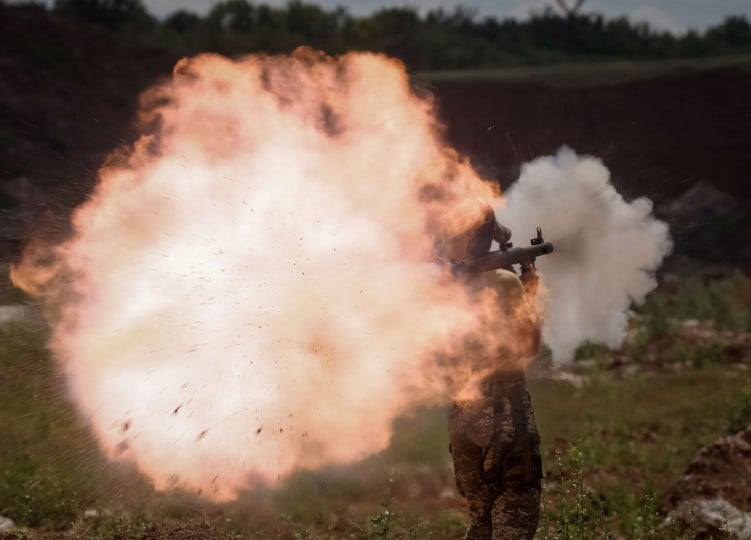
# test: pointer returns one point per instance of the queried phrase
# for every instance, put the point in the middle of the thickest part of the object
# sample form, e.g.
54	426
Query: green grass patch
725	302
612	447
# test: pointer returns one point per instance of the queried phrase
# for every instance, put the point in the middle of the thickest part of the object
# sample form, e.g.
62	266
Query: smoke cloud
606	249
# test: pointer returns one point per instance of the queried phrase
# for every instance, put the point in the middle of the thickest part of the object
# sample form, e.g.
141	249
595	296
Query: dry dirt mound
68	96
713	497
659	137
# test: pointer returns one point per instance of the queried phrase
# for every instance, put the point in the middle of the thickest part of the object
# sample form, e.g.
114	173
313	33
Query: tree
112	14
235	15
734	32
182	21
570	11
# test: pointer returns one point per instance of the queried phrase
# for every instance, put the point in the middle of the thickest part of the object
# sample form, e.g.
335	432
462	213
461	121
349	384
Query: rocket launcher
506	257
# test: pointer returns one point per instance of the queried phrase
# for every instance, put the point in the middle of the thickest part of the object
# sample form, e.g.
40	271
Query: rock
90	513
6	524
713	497
700	202
13	313
575	380
448	493
707	225
712	518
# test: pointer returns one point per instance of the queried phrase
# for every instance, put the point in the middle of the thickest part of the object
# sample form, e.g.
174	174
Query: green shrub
739	417
725	302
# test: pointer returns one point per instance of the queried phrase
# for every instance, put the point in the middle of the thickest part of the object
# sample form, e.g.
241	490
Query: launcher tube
523	256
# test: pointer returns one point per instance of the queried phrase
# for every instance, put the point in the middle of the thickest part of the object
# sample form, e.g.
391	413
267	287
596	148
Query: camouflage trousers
497	463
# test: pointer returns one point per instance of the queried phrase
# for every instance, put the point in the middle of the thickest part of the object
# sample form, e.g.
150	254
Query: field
614	440
618	428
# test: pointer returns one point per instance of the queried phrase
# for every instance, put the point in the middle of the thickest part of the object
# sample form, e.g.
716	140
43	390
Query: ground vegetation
619	428
436	39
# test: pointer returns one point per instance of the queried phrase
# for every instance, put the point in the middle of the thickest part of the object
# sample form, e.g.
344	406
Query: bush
112	14
724	302
740	415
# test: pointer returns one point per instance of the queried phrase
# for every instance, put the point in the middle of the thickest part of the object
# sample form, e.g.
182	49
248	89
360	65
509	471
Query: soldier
493	436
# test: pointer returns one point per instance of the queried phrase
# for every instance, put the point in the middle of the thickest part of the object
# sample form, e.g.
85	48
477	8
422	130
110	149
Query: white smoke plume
606	249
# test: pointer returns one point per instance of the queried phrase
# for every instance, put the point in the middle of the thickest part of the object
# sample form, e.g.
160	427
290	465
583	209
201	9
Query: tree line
438	39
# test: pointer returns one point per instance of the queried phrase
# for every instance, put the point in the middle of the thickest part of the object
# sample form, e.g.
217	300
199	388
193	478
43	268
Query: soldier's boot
516	513
480	531
480	505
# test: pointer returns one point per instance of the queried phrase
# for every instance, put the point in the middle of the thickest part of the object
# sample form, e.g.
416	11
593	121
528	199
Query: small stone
13	313
577	381
448	493
711	498
90	513
6	524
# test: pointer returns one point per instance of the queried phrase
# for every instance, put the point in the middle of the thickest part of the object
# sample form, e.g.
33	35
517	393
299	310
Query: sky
676	16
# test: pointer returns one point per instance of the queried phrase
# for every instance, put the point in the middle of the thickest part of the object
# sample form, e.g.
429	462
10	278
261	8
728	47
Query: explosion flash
250	289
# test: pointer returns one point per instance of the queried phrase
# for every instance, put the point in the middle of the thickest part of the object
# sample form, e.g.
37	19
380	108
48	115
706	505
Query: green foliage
725	302
381	525
694	355
112	14
722	304
33	490
739	417
439	39
112	527
182	21
611	447
35	494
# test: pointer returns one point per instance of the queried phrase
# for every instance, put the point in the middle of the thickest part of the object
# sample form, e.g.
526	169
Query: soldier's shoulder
508	284
507	277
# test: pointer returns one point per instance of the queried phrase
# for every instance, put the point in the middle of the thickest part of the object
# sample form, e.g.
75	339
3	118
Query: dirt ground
659	136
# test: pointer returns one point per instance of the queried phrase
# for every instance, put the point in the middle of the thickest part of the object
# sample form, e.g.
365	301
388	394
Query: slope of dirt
68	95
658	136
714	494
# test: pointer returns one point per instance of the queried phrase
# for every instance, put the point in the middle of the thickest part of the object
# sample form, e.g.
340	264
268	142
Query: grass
725	303
616	446
611	446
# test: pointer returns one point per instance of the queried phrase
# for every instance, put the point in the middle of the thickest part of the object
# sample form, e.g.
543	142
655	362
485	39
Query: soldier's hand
531	281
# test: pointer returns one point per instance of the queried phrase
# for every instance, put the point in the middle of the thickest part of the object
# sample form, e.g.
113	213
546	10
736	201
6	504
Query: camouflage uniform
494	440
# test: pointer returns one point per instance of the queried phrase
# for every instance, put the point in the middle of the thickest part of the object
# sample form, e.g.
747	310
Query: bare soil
659	136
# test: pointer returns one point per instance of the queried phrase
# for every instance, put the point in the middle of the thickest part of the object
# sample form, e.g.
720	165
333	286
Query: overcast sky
673	15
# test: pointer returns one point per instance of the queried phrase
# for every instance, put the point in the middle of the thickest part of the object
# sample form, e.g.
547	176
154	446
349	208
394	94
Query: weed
116	526
739	417
724	302
696	356
381	524
632	438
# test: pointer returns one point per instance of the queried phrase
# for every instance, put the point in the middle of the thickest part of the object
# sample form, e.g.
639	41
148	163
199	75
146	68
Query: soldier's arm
520	294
